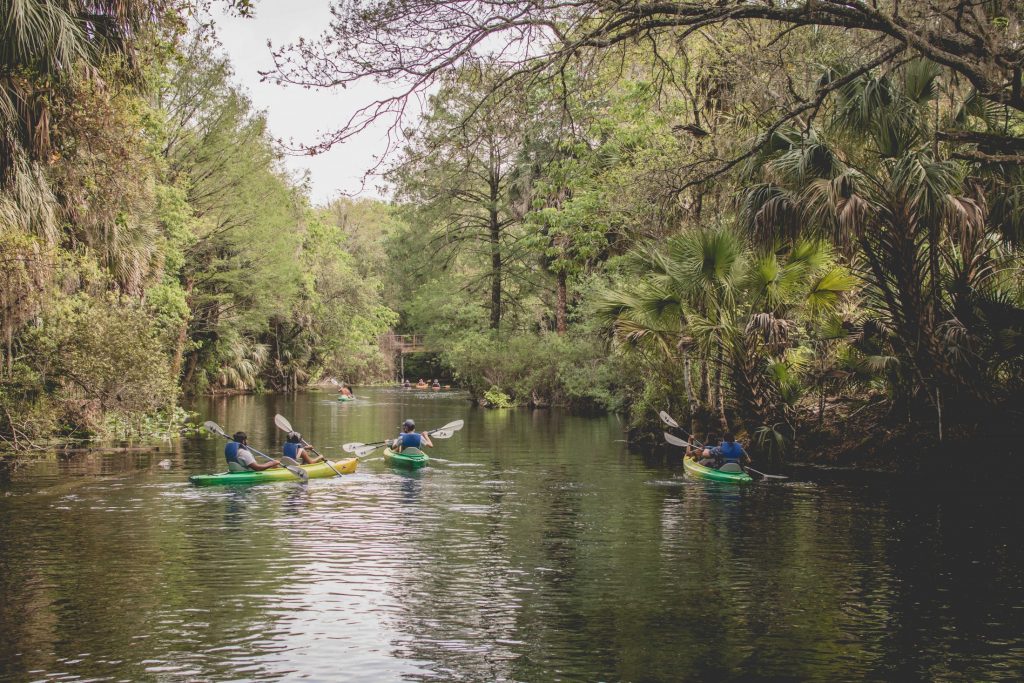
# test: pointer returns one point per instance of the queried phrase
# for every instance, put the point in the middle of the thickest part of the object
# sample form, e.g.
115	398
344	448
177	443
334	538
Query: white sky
296	113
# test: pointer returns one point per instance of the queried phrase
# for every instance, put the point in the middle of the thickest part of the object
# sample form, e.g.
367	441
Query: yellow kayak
320	470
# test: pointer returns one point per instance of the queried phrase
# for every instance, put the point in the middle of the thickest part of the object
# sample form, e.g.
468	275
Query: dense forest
799	222
152	242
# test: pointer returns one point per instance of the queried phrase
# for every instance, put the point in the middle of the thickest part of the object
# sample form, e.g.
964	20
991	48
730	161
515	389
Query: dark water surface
536	548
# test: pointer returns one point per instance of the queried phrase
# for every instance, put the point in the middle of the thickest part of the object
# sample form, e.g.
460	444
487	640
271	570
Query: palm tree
738	312
46	48
44	44
912	217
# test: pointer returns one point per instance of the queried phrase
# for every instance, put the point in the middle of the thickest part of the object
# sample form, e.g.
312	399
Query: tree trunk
9	334
495	240
705	382
691	396
720	397
560	311
179	345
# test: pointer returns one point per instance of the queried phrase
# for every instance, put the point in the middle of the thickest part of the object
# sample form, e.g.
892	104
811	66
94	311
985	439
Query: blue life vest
231	452
731	452
410	440
291	450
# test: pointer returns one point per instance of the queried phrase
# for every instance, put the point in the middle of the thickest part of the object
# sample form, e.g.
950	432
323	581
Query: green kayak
698	471
410	458
346	398
318	471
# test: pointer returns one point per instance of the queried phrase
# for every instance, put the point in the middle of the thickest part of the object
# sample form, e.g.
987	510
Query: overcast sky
296	113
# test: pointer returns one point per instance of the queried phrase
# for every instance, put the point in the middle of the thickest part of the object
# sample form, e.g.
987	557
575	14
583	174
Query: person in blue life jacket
729	451
294	449
409	438
241	459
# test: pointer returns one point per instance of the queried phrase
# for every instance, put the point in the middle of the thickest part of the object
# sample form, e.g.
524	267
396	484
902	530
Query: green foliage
101	355
545	370
151	237
496	398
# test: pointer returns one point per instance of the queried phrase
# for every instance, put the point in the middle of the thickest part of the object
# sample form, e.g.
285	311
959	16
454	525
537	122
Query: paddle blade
675	440
667	419
450	427
282	423
767	476
365	450
214	428
442	434
298	472
352	447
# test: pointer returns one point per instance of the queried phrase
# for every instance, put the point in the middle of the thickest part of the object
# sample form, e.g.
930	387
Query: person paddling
240	458
409	438
345	391
294	449
729	452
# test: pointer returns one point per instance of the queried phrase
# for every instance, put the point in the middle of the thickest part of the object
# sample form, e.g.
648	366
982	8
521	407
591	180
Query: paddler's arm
426	440
260	466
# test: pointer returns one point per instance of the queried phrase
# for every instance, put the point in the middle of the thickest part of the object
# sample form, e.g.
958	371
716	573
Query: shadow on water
534	547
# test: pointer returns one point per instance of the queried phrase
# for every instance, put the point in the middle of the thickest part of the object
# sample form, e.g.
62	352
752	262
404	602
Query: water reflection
534	547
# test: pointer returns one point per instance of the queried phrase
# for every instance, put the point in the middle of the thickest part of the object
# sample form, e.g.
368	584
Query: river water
536	547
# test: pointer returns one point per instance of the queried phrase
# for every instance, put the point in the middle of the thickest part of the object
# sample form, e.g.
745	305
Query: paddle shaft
329	463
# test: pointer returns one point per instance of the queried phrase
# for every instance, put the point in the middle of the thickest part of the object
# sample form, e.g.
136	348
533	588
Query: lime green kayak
698	471
346	398
318	471
410	458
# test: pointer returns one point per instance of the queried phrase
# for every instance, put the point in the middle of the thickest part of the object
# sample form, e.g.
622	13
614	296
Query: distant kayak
318	471
346	398
410	458
698	471
422	386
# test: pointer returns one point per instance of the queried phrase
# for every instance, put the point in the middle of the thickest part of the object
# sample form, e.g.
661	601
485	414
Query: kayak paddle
676	441
214	428
284	425
363	449
667	419
767	476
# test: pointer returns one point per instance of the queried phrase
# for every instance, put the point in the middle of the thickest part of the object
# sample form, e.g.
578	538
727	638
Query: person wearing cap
294	449
409	438
240	458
